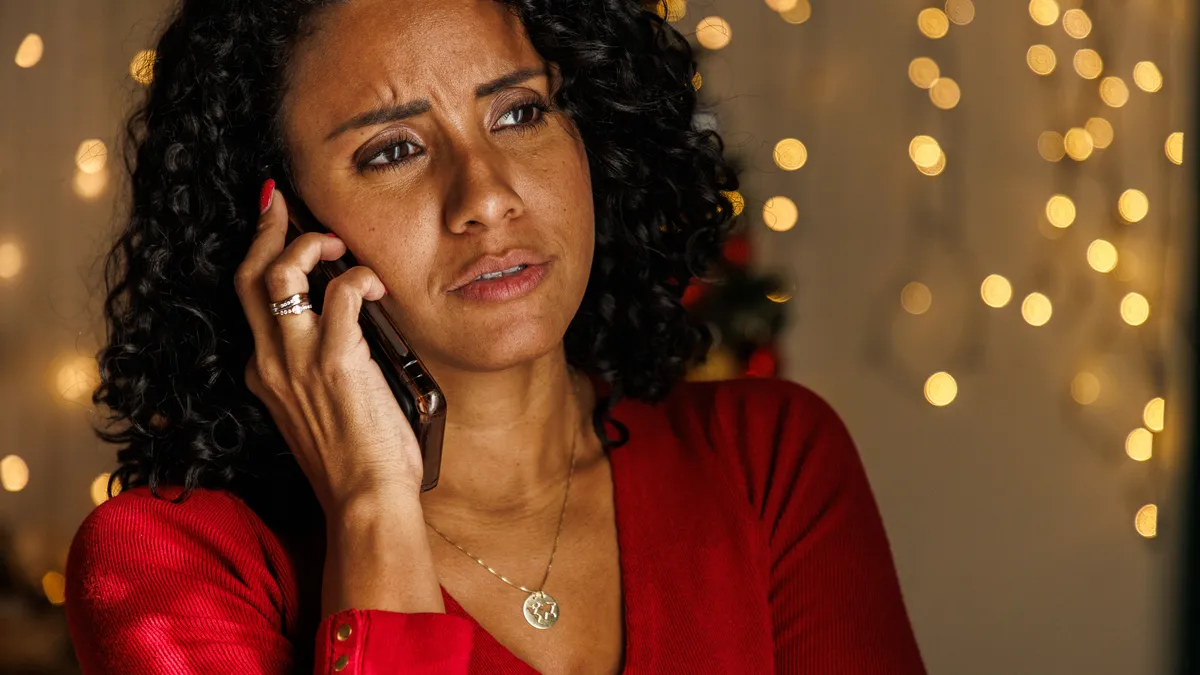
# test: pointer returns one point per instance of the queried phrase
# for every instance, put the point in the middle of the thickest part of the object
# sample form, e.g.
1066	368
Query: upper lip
496	262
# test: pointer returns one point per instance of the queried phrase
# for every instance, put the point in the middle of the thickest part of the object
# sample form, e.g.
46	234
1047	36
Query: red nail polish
330	234
266	196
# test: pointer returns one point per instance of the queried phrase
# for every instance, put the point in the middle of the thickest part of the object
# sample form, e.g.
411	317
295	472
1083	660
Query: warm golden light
14	473
30	51
10	260
141	68
1130	267
1060	211
77	378
1079	144
933	22
99	489
89	185
54	585
737	200
713	32
924	151
1077	23
996	291
923	72
1101	131
1133	205
91	156
1114	92
945	93
961	12
941	389
779	296
1041	59
1088	64
1174	147
1036	309
780	214
1139	444
798	14
697	81
1085	388
1146	521
790	154
1051	146
1044	12
671	10
916	298
1147	76
1135	309
1153	413
1102	256
781	5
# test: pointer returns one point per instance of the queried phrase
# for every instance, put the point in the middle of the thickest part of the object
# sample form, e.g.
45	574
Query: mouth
506	284
493	267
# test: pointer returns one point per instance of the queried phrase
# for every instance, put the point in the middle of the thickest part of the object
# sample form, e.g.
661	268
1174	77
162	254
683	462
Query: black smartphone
414	388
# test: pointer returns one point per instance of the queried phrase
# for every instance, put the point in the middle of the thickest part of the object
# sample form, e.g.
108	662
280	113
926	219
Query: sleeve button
341	663
343	632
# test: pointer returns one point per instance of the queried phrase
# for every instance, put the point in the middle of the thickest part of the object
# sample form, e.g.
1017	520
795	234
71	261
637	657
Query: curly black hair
177	338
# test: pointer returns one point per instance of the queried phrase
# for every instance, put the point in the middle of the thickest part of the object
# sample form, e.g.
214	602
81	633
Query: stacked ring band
295	304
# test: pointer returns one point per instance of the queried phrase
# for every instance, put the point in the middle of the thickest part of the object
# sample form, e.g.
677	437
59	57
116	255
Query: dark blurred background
969	227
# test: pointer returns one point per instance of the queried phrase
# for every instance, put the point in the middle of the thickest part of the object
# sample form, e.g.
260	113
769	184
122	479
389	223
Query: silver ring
295	304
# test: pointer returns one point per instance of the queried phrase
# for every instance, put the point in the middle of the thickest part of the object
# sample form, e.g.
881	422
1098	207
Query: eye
525	114
394	153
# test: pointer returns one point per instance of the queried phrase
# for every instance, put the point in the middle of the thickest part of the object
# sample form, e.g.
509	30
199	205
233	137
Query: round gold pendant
541	610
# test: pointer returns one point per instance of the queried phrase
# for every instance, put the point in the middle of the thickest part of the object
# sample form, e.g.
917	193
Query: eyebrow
395	113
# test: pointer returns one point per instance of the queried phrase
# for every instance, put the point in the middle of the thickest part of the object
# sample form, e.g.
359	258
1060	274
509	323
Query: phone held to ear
414	388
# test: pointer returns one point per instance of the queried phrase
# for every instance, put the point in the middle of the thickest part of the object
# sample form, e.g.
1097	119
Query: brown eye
527	113
397	152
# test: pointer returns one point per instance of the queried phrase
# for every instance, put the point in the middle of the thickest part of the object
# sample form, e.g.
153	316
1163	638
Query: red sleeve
836	605
156	588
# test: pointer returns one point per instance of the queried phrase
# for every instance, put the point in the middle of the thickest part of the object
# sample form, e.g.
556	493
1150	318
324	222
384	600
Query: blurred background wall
1012	425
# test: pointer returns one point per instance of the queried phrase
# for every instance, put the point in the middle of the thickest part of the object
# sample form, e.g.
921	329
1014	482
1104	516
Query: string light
10	260
1135	309
54	585
1088	64
960	12
1153	413
779	297
933	23
697	81
1102	256
141	68
1101	131
1139	444
1146	521
916	298
1079	144
30	51
1085	388
996	291
1147	76
798	14
14	473
1060	211
1043	12
1133	205
780	214
714	33
1041	59
1077	23
1114	92
941	389
1036	309
790	154
945	93
671	10
1051	146
923	72
737	200
1174	147
91	156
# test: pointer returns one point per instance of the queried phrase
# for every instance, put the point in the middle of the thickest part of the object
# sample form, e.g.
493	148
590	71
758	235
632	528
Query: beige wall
1011	510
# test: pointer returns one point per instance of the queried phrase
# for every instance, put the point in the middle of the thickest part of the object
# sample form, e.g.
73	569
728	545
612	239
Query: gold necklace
540	609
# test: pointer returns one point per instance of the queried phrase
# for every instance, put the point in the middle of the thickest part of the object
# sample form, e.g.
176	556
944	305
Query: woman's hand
315	373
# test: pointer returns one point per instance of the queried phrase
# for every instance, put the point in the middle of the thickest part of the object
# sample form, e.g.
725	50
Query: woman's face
416	135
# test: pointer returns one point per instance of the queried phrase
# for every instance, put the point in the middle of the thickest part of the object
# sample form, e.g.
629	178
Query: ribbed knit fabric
749	542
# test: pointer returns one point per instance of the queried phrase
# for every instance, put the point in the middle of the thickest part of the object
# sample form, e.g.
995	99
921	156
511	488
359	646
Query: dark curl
178	341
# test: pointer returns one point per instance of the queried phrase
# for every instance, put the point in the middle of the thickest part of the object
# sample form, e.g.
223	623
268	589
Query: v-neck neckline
621	477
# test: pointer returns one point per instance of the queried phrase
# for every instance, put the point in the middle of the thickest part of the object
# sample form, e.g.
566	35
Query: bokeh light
1139	444
1036	309
780	214
1135	309
798	14
697	81
14	473
1146	521
713	32
10	260
1147	76
99	489
996	291
941	389
1051	147
1133	205
737	200
1077	23
790	154
1102	256
923	72
77	378
1043	12
1041	59
30	51
915	298
671	10
89	186
1101	131
1174	147
1088	64
945	93
960	12
1060	211
1085	388
1079	143
1154	413
91	156
781	5
141	68
1114	92
54	585
933	23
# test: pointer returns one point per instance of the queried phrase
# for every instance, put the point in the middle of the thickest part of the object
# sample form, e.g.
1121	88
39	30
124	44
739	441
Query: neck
508	441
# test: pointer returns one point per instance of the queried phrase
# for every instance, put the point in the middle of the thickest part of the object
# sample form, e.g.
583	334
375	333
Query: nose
480	193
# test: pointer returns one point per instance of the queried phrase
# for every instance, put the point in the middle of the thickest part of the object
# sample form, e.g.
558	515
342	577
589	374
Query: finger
340	331
288	275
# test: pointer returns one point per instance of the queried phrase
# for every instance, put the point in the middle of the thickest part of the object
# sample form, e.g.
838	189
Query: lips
494	263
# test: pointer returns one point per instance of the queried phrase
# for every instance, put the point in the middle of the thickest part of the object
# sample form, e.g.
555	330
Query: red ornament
763	362
737	250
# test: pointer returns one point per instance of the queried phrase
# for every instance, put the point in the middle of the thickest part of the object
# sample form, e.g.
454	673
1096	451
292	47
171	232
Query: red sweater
749	542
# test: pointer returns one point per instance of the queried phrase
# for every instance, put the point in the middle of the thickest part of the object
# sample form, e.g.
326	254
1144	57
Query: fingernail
266	196
385	290
330	234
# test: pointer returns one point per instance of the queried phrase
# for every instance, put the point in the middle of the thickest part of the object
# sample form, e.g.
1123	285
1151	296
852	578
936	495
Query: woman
613	519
